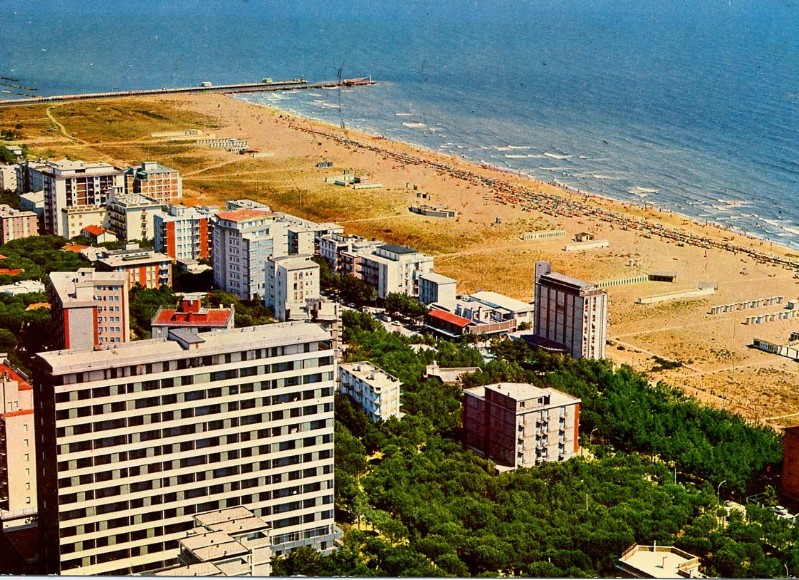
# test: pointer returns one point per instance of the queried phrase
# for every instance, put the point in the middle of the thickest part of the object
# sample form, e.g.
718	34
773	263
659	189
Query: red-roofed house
191	314
17	449
98	234
11	271
446	323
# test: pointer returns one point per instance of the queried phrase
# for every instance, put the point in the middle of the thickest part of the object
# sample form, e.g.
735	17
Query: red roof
11	271
14	376
74	248
94	230
173	317
242	215
38	306
18	413
449	317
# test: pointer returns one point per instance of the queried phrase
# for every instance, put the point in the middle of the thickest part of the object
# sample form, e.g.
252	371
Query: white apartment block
70	185
134	441
183	232
290	281
242	241
334	246
131	216
570	312
373	389
90	309
16	224
72	220
17	449
438	289
520	424
393	268
8	177
154	181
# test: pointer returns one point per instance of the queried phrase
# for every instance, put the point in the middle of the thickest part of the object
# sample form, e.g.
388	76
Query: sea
686	105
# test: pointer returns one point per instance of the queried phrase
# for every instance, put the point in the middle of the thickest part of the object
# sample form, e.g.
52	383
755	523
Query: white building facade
373	389
138	439
290	281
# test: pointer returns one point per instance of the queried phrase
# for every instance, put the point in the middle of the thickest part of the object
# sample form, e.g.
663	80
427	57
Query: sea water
687	105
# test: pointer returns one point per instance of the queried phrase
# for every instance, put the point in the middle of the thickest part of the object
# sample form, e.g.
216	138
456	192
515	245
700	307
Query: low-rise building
332	246
16	224
33	201
521	425
144	267
193	316
290	281
22	287
658	562
131	215
8	177
98	235
17	449
72	220
154	181
226	542
373	389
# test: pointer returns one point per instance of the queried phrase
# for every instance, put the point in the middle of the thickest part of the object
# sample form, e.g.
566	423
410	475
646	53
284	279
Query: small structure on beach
583	237
433	211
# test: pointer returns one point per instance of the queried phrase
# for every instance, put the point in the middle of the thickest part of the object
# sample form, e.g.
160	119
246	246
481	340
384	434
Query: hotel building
290	281
17	449
243	239
131	215
15	224
183	233
570	312
144	267
72	188
391	268
90	309
373	389
521	425
134	441
154	181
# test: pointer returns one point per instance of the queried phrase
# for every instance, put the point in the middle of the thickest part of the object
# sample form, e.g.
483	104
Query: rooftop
524	392
567	280
495	300
94	230
370	374
160	349
660	562
437	278
206	317
397	249
243	215
449	317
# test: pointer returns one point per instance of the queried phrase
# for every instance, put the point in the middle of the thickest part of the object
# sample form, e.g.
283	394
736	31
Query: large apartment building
131	216
17	449
90	309
243	239
389	268
16	224
134	441
144	267
183	232
521	425
154	181
570	312
71	188
373	389
290	281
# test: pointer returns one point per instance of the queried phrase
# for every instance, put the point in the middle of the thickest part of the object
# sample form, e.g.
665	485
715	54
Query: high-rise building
17	449
242	240
135	440
521	425
131	216
570	312
90	309
290	281
183	233
153	180
71	186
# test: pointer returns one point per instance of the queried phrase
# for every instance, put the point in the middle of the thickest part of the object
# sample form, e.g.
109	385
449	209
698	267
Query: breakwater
289	85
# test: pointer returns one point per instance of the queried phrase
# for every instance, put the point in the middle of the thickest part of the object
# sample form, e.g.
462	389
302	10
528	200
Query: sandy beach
483	247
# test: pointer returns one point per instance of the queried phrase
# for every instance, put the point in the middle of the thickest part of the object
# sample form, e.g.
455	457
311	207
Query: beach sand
482	248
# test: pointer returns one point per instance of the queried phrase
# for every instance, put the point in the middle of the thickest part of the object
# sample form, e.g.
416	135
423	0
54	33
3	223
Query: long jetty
290	85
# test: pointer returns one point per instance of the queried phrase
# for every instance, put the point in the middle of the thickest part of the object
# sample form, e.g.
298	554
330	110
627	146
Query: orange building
790	463
154	181
183	233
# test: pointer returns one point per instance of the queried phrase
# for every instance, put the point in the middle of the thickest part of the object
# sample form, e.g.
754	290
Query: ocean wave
415	125
559	156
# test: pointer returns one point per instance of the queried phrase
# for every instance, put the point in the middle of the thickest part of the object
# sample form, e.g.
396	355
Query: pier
265	85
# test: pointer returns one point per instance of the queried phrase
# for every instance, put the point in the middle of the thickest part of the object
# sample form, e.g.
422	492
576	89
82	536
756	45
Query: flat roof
495	300
65	283
524	392
397	249
213	545
161	349
568	280
370	374
437	278
135	258
657	561
245	214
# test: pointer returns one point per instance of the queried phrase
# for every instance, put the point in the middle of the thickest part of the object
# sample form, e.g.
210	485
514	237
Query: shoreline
538	200
755	230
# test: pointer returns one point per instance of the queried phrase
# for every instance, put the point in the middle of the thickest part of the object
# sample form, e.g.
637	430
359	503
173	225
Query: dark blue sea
689	105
